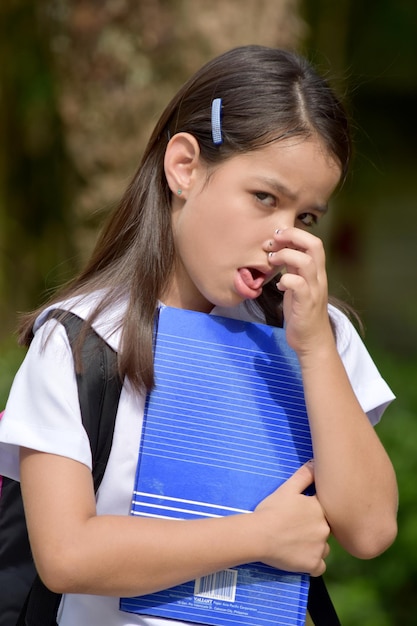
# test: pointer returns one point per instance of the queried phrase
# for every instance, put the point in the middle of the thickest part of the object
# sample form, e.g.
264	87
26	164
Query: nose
269	245
286	220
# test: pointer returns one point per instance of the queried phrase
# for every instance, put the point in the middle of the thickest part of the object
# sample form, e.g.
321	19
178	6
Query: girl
217	219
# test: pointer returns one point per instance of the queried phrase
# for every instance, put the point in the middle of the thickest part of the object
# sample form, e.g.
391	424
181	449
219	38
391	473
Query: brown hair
267	95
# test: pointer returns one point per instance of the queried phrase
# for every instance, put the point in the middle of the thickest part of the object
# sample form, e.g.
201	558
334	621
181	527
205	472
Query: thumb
302	478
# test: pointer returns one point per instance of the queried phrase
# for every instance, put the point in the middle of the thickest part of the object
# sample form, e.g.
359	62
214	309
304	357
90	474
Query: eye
266	198
308	219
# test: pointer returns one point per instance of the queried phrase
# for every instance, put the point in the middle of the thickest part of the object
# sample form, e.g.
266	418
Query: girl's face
223	225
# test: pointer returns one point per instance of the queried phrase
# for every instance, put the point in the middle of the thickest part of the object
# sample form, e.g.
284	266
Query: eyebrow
281	189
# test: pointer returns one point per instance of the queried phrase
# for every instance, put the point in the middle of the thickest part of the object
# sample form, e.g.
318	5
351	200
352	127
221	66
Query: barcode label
218	586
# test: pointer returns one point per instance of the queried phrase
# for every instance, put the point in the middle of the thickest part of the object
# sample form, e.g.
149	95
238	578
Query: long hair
267	95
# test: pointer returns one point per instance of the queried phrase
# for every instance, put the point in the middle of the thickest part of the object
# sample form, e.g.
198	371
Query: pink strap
1	477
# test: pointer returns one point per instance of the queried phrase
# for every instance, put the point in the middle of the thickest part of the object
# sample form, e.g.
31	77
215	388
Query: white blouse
43	413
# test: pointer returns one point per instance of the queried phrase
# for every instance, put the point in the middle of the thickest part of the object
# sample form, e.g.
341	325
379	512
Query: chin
226	299
228	303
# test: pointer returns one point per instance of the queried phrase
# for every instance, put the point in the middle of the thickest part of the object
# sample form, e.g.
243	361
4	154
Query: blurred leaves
35	172
82	84
383	591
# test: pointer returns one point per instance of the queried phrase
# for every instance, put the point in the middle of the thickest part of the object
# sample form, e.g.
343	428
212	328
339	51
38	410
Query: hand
304	283
293	527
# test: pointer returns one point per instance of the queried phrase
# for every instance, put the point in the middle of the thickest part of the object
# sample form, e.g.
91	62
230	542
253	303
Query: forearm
145	555
355	481
77	551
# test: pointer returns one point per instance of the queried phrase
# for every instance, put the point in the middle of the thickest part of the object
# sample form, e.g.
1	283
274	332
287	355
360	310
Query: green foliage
381	592
35	172
10	358
62	86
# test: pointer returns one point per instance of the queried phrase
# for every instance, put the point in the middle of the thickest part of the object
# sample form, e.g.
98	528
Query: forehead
295	161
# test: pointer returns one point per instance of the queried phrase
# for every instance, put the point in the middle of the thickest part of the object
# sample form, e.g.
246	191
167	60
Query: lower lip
244	290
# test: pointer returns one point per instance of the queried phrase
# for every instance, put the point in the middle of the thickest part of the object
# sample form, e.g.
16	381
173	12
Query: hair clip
216	127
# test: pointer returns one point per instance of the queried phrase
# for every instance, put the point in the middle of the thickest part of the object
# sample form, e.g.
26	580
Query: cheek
214	227
195	236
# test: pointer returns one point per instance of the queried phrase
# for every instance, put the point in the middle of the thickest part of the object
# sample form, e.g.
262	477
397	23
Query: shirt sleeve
373	393
42	412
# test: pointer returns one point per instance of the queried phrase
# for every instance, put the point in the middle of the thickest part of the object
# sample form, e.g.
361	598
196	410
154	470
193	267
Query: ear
181	162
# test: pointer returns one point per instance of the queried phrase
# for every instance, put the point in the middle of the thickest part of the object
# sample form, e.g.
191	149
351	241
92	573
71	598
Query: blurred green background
82	83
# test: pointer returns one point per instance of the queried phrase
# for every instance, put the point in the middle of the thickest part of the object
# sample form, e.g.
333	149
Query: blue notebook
225	425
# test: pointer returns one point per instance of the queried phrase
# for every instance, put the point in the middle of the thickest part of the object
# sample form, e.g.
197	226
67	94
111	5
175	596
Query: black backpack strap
17	569
99	388
320	605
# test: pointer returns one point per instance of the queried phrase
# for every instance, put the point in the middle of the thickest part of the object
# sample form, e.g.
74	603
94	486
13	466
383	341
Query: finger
298	239
319	570
289	281
302	478
297	262
302	242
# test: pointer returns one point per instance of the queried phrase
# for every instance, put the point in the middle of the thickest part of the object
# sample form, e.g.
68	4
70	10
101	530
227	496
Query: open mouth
252	278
